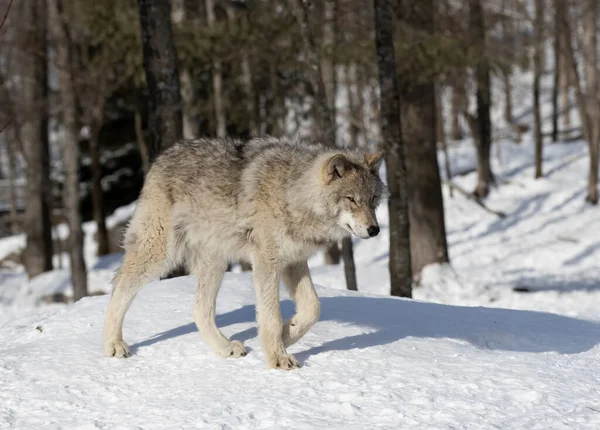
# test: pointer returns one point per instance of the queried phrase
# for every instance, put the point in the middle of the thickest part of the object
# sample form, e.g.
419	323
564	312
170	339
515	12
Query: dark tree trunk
160	64
507	37
70	149
537	74
391	133
141	141
349	266
12	165
34	136
557	74
97	197
419	125
485	177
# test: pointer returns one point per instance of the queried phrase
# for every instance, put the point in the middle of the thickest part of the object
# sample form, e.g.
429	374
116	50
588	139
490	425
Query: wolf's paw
283	362
116	348
234	350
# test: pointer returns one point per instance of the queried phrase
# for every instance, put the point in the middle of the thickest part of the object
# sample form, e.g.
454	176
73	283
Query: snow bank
370	362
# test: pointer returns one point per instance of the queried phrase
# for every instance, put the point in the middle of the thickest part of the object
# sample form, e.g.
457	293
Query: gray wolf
271	202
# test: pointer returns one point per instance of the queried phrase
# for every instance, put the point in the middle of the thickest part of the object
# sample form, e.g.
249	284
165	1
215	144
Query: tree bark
97	197
590	56
141	142
458	104
12	166
419	125
278	103
507	34
217	78
70	148
537	74
442	139
485	177
391	133
162	75
557	73
34	136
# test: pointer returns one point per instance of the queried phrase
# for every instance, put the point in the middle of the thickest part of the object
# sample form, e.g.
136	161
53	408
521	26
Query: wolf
268	201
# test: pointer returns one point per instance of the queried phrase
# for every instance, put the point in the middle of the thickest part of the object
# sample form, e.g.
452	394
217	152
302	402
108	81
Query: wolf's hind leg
296	278
209	275
145	260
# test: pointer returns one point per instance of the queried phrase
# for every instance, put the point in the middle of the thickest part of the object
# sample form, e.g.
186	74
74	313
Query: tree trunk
485	177
557	74
141	142
590	56
70	149
97	197
458	104
349	266
12	167
34	136
419	125
278	102
442	139
162	75
391	133
217	78
507	34
537	74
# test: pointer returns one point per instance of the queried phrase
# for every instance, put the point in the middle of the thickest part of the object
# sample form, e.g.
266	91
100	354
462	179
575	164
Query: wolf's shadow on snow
388	320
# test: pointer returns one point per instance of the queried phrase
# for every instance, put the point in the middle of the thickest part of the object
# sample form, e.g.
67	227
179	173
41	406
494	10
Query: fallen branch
474	198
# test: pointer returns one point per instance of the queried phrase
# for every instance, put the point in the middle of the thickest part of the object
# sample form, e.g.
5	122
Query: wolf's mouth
350	229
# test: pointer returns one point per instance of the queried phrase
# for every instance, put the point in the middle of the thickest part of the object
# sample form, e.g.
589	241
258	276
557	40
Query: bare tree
32	105
483	138
70	147
537	74
391	132
162	75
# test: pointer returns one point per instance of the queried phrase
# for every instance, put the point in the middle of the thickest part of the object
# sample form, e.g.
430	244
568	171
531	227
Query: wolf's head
353	190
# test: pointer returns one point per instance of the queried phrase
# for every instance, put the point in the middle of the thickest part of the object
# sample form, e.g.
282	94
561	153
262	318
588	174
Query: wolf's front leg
296	278
268	310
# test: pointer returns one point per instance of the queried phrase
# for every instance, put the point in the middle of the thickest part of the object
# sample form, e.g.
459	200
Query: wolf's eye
351	200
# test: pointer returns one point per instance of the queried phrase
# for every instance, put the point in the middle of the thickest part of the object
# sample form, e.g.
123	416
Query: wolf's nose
373	231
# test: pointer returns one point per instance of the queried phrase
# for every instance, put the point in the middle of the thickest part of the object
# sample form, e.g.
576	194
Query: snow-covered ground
454	358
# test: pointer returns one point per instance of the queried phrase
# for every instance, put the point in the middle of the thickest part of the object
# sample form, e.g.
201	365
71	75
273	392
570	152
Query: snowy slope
371	362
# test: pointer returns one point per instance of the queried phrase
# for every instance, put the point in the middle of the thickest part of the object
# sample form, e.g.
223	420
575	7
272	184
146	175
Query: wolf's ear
334	168
374	160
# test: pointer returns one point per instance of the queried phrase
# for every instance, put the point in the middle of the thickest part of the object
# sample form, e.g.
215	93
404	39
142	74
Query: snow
371	362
